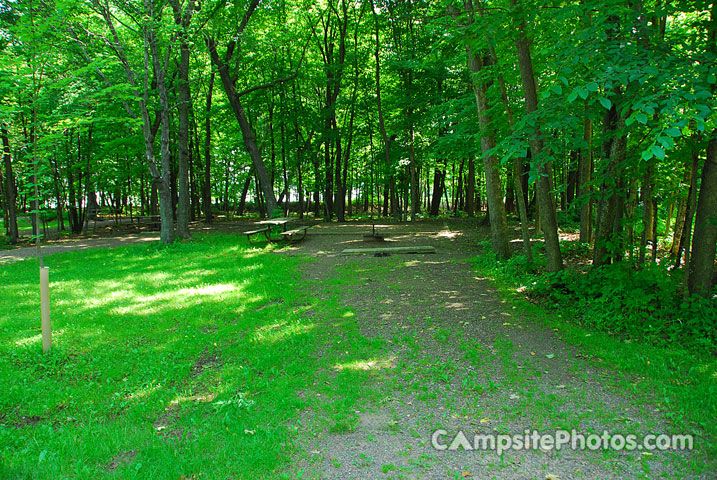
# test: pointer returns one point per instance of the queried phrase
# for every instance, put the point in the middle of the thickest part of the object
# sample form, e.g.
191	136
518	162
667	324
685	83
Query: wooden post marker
45	308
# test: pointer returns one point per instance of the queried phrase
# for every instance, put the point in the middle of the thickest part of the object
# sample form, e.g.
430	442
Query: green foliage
644	303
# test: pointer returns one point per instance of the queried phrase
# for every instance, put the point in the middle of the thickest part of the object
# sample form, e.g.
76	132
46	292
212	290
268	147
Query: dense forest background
595	116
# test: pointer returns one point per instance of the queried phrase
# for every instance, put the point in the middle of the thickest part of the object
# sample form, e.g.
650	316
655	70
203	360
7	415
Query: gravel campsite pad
458	359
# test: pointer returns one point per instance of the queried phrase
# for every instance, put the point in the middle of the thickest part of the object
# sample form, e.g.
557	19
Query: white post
45	308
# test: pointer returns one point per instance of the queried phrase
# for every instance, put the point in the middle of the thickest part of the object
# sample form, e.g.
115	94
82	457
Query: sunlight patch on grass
142	393
24	342
208	290
365	365
37	339
448	234
199	398
281	331
154	350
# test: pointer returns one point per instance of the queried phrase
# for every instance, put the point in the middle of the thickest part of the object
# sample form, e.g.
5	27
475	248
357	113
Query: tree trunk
648	216
681	213
11	225
496	208
244	192
437	191
704	244
185	100
262	174
382	125
412	173
207	185
546	204
607	206
471	187
166	234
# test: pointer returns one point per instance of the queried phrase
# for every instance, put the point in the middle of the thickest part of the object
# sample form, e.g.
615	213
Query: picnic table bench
292	235
266	225
265	230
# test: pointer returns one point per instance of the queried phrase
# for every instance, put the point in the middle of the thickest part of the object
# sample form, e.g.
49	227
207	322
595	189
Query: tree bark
437	191
262	174
704	244
229	84
471	187
182	20
546	204
520	188
160	180
681	214
166	234
391	187
11	226
496	208
604	250
207	185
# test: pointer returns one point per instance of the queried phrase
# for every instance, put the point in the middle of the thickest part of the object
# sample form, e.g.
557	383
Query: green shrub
642	303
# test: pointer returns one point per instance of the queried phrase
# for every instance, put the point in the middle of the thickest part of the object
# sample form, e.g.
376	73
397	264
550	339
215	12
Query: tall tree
182	19
494	191
546	204
229	71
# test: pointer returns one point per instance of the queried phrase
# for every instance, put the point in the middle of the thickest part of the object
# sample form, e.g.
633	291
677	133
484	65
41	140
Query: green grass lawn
195	359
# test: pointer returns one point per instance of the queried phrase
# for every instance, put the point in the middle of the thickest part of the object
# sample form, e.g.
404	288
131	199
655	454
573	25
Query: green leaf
642	118
605	103
711	79
573	95
592	87
666	142
700	125
630	120
583	93
646	155
673	132
557	89
658	152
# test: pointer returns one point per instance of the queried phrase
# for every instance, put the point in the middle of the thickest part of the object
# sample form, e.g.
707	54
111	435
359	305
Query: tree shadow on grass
196	357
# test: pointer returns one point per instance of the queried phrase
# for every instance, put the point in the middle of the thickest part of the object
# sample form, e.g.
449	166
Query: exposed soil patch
28	421
206	360
121	459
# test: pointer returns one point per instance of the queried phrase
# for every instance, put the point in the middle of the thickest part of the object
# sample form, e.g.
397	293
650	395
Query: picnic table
274	222
265	227
153	222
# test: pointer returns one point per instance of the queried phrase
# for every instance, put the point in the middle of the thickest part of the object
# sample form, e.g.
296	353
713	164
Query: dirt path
79	244
109	239
458	359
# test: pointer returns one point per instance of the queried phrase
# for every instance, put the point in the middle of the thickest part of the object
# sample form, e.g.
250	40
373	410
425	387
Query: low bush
643	303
